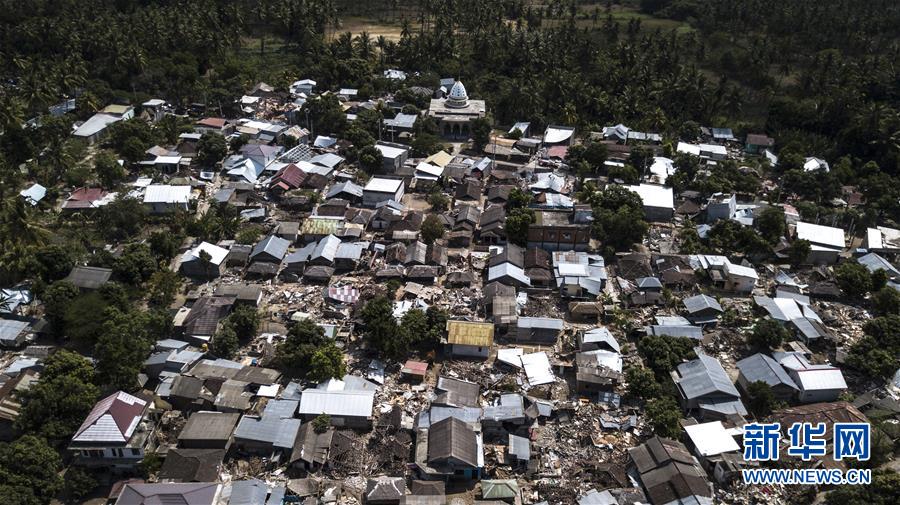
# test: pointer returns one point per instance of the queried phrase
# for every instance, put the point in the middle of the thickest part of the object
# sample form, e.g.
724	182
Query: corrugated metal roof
355	403
704	376
760	367
113	419
272	245
470	333
537	368
700	302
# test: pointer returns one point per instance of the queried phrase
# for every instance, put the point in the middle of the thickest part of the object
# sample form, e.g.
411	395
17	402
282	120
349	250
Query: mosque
454	112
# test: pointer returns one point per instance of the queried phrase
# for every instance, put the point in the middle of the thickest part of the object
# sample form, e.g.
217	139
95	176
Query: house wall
658	213
559	238
111	457
469	350
165	208
817	396
536	335
820	257
372	198
201	269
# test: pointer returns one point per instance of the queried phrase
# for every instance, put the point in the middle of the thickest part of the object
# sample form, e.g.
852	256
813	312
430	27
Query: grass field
357	25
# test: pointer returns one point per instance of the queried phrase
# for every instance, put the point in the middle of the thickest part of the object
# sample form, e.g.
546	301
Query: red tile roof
212	122
291	175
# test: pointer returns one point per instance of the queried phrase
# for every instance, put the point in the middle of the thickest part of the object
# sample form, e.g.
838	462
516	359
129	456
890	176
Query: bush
853	279
432	229
664	415
768	334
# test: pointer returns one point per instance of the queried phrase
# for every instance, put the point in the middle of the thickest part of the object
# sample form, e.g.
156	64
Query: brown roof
452	439
759	139
192	465
206	313
289	177
668	471
212	122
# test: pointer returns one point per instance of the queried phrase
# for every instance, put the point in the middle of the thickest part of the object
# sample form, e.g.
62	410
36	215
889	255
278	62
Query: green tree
771	224
798	252
432	229
164	287
370	159
57	299
768	334
481	133
211	149
886	300
121	218
54	261
321	423
29	472
663	353
302	340
618	217
327	362
136	264
518	199
877	352
245	320
642	383
56	406
664	415
122	347
760	400
517	223
164	244
225	342
78	483
853	279
884	490
382	331
109	171
438	201
627	174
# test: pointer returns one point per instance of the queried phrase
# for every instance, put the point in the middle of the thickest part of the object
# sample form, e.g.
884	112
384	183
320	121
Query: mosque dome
458	97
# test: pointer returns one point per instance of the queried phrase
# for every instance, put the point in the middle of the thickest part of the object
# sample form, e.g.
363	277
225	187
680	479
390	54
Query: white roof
741	271
508	269
380	185
711	439
217	254
654	196
713	148
355	403
390	152
153	102
36	193
662	168
556	134
167	160
609	359
511	356
684	147
162	193
429	169
874	238
813	163
537	368
96	123
822	235
818	379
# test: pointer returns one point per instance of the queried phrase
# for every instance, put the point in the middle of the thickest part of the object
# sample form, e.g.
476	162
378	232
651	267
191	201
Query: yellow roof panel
439	159
469	333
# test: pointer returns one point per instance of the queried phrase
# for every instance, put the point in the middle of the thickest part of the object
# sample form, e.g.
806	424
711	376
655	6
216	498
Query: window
135	452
